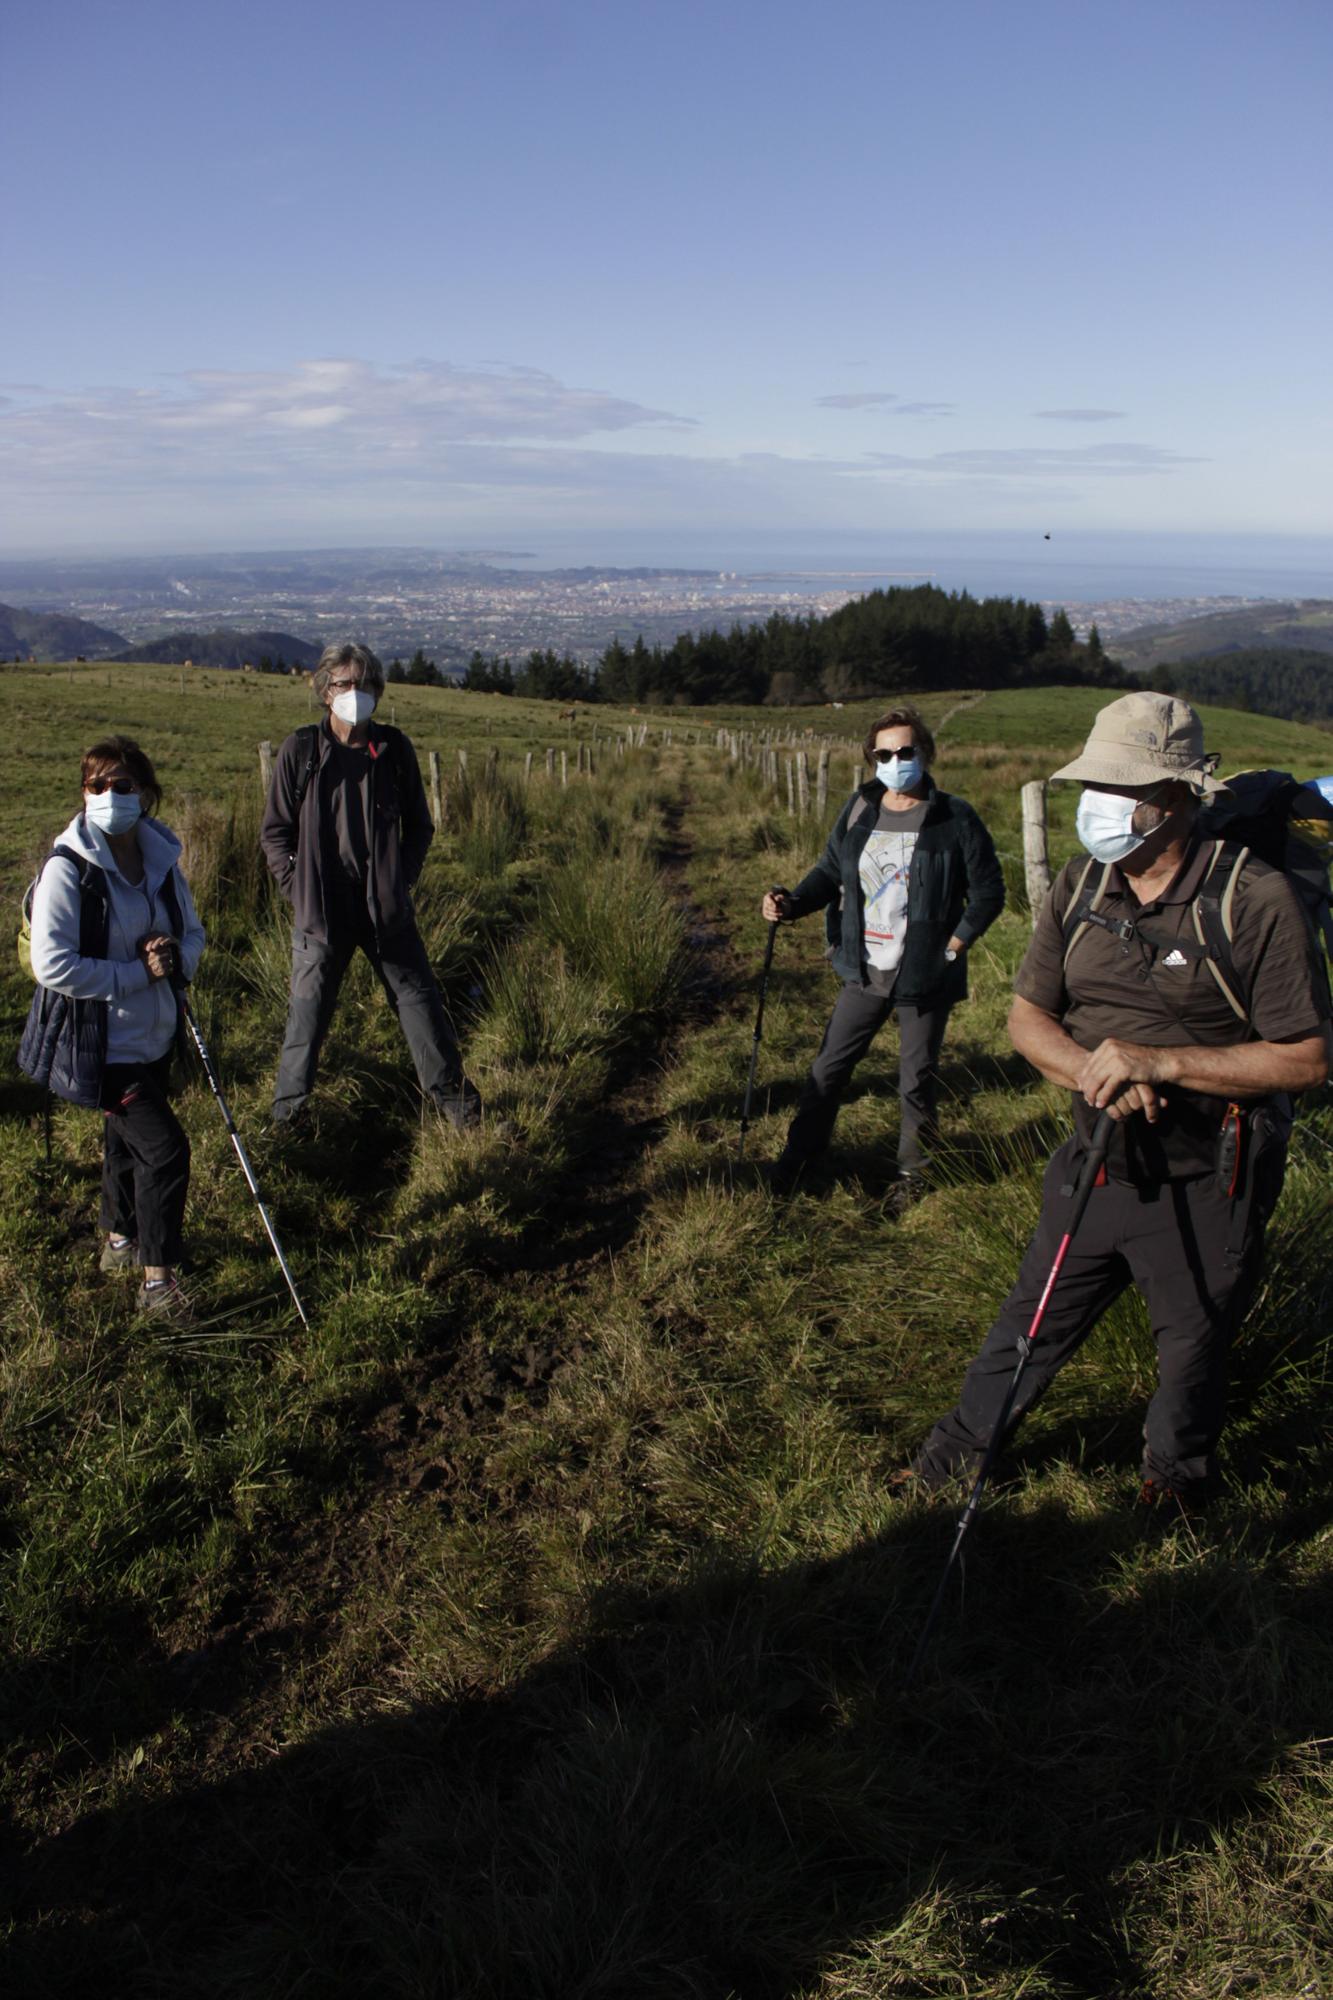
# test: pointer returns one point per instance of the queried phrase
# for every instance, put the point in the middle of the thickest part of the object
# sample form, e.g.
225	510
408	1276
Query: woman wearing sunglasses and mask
909	880
113	929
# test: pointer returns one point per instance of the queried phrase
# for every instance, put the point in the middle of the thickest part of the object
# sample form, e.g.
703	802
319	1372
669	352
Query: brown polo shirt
1142	992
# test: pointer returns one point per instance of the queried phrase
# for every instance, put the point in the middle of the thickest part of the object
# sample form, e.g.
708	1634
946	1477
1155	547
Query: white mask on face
1105	824
112	812
356	705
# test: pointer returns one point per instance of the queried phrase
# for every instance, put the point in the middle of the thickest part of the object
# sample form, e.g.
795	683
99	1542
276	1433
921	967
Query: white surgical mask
899	773
1105	823
357	705
112	812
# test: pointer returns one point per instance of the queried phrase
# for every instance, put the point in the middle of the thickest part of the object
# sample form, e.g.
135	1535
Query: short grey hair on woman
348	655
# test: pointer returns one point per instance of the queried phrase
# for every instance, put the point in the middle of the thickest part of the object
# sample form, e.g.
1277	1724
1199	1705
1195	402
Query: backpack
89	893
1268	814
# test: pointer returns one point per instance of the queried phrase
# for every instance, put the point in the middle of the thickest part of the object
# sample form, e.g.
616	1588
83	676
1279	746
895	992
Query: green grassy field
536	1625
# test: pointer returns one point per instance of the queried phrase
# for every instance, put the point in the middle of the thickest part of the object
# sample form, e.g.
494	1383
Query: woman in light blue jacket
113	929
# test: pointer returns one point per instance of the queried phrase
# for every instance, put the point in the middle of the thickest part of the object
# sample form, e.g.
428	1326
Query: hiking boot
462	1107
119	1253
291	1119
165	1299
783	1174
1161	1505
906	1191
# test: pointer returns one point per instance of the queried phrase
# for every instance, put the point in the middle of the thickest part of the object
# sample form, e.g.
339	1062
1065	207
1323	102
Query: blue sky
290	274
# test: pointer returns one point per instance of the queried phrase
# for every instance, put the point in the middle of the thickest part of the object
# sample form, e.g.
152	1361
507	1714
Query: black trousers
145	1160
858	1015
404	971
1195	1260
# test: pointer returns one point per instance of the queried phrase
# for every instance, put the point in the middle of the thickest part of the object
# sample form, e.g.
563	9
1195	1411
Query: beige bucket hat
1143	739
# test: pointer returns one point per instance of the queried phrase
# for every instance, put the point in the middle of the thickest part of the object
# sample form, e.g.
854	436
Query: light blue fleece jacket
141	1016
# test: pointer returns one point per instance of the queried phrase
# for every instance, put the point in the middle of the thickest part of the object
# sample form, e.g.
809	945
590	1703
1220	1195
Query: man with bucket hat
1172	982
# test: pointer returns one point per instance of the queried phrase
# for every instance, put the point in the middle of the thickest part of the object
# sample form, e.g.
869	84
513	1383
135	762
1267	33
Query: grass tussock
486	819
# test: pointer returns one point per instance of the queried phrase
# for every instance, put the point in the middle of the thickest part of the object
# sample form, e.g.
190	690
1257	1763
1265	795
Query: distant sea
1067	569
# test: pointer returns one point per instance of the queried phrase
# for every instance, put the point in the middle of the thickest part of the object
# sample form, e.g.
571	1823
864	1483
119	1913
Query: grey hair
348	655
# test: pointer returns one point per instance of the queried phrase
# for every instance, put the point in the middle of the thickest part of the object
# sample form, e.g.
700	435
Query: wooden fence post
550	764
527	769
1036	856
564	769
802	782
436	796
791	789
821	782
265	765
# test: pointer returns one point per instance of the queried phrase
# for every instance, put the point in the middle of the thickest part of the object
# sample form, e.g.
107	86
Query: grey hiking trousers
1196	1261
858	1015
318	969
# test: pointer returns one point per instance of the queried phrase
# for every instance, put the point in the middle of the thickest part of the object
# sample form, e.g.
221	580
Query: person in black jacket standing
909	880
345	833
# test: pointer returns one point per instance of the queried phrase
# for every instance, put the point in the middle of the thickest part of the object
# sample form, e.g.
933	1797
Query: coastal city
450	605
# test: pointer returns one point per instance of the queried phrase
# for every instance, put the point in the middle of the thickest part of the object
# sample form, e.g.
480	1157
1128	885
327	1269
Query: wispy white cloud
429	446
858	399
222	423
1101	461
1080	416
880	399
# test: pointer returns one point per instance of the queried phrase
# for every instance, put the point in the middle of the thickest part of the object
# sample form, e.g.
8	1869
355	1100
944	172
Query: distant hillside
50	635
1293	682
1306	623
223	648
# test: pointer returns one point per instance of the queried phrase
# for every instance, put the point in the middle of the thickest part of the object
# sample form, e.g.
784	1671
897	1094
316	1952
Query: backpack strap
309	734
859	810
1081	910
94	901
1213	922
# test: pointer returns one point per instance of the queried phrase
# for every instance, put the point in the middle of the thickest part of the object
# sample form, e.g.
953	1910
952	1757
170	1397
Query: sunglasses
121	786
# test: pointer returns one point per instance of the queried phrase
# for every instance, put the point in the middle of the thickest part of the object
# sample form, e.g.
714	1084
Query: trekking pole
210	1072
758	1028
1080	1190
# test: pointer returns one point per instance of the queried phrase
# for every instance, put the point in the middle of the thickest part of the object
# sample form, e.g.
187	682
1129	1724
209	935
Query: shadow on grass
726	1786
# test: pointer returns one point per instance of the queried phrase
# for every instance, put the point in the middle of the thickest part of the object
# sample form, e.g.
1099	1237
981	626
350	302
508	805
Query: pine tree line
899	641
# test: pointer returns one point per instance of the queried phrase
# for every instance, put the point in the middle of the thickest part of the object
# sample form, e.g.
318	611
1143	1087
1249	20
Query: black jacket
398	823
955	889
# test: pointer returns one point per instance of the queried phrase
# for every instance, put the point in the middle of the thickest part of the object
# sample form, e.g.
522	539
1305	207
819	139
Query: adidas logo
1175	958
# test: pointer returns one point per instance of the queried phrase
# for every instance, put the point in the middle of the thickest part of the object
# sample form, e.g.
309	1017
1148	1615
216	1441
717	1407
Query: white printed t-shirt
886	862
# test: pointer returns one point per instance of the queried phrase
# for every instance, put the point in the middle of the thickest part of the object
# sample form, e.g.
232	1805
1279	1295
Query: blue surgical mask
1105	823
112	812
900	774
